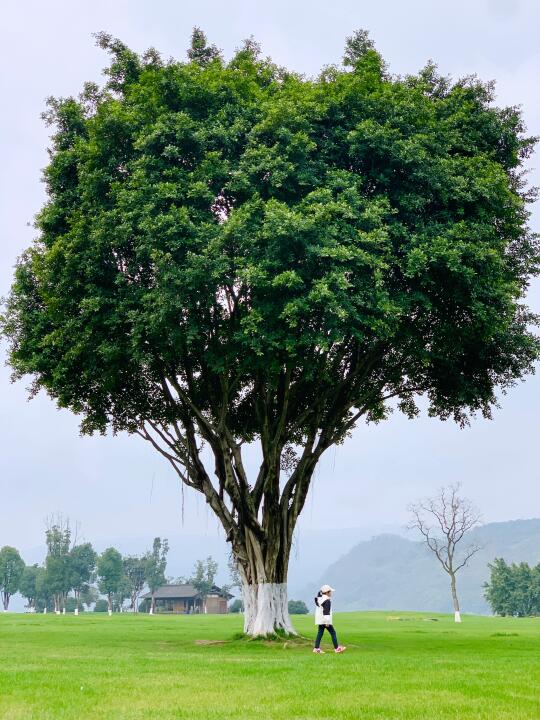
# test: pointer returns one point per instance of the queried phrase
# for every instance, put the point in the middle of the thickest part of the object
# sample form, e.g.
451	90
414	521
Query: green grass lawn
126	666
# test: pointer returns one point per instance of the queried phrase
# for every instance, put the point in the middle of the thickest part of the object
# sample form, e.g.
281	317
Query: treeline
73	576
513	590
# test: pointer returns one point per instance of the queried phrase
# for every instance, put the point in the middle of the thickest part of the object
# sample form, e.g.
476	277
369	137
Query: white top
322	618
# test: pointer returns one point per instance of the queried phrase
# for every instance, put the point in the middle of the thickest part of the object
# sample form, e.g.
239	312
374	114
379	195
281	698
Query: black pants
332	632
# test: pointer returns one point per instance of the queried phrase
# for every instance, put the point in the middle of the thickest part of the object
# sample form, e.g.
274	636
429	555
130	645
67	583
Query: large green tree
233	254
513	589
11	572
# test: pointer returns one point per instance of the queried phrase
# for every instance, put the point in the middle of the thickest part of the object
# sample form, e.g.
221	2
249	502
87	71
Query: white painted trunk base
266	609
457	616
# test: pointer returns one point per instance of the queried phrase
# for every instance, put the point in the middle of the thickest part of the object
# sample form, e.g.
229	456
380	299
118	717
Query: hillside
390	572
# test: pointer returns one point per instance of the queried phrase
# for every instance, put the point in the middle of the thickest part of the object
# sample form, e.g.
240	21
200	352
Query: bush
236	606
297	607
101	606
144	605
71	604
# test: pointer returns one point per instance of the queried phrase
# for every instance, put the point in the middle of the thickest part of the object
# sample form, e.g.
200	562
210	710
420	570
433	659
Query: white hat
327	588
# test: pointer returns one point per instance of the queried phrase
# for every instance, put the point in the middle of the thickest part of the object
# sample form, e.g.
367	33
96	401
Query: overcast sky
117	487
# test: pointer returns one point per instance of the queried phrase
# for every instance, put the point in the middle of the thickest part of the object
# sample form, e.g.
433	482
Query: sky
116	489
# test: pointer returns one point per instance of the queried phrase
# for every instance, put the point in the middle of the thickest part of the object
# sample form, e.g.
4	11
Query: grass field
167	667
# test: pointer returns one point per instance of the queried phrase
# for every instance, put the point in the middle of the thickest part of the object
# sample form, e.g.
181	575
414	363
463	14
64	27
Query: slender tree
232	254
57	562
444	522
82	564
11	571
28	586
200	52
203	578
123	592
89	595
44	596
134	570
110	574
155	566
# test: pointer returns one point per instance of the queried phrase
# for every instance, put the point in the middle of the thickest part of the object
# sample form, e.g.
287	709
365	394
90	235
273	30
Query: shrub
101	605
297	607
71	604
236	606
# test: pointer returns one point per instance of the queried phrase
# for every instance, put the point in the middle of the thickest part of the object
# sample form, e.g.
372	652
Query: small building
185	599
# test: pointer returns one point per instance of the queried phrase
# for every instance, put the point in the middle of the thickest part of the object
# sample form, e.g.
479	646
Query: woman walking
323	618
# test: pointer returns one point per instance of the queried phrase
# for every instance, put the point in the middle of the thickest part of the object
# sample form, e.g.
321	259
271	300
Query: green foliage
28	584
226	220
89	595
200	52
57	563
156	564
110	572
82	563
144	605
123	591
44	594
71	604
11	571
204	576
236	606
101	605
134	572
513	589
298	607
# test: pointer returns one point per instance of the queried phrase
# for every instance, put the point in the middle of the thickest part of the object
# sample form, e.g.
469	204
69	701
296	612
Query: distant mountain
390	572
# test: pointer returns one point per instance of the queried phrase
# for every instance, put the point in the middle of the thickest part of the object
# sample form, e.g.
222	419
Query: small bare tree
444	520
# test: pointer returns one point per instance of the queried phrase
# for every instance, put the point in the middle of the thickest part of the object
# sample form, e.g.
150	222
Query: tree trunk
266	609
5	597
152	605
457	614
264	588
109	602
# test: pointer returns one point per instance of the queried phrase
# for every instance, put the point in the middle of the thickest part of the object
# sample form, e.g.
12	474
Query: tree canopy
110	573
231	252
11	572
514	589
